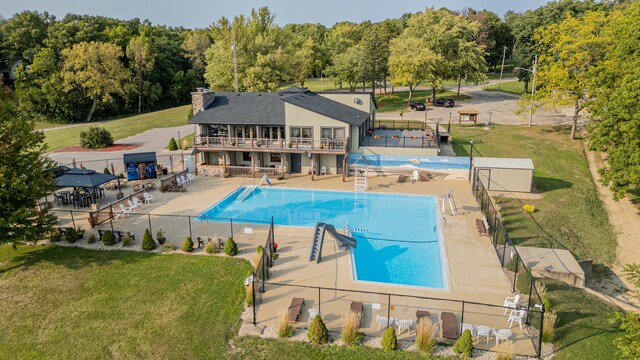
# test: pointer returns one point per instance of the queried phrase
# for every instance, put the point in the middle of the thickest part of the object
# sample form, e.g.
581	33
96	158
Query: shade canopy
83	178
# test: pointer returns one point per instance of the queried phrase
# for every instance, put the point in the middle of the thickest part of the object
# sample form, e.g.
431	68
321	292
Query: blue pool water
398	241
412	162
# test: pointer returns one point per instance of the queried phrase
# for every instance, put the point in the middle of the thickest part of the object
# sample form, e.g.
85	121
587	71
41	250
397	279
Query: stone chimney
201	98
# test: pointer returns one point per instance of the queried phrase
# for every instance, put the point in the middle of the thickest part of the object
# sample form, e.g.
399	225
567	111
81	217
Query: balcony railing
263	144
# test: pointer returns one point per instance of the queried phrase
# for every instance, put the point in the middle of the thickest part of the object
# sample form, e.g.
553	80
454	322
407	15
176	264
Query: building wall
367	104
516	180
297	116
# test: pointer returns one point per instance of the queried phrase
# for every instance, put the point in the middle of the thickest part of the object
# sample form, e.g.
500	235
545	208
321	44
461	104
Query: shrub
541	289
71	236
511	265
248	298
389	339
627	342
96	138
160	236
350	334
426	334
168	247
187	245
106	171
549	326
126	242
147	241
230	247
210	248
55	236
92	239
259	249
529	208
185	144
523	283
547	304
172	145
108	238
318	333
464	345
285	329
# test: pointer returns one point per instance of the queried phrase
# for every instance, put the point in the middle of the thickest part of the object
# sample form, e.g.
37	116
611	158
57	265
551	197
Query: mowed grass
583	330
512	87
71	303
569	213
395	105
120	128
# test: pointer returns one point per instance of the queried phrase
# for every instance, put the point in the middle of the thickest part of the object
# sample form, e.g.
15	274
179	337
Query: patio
401	139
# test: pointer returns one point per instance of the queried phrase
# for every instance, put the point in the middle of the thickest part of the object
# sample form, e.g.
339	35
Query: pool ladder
442	221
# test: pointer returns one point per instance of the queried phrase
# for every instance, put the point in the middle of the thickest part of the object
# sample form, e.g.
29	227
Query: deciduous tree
141	59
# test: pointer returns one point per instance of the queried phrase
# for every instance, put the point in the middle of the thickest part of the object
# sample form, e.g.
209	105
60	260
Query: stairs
318	239
360	183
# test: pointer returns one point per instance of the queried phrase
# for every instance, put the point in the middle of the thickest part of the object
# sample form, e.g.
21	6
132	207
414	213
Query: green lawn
570	213
46	125
512	87
69	303
395	105
121	128
186	140
583	330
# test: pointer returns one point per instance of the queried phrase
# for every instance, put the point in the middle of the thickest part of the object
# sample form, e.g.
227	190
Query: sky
202	13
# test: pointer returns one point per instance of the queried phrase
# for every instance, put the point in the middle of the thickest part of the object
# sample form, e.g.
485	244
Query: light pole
180	147
533	86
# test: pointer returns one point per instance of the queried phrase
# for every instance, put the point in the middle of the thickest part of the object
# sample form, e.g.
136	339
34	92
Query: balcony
321	146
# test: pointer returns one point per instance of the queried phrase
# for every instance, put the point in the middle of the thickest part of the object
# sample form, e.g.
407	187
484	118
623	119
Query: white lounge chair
383	321
124	210
516	316
180	182
511	302
405	324
471	328
485	331
313	313
191	178
132	205
184	180
137	202
121	213
415	176
503	334
323	170
148	198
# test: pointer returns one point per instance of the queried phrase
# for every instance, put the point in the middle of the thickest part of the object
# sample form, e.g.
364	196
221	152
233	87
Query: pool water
397	236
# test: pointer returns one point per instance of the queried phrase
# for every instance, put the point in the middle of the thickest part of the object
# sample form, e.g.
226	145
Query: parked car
445	103
412	105
419	107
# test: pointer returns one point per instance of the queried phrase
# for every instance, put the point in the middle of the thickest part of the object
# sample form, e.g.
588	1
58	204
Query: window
246	156
275	157
271	132
332	133
301	132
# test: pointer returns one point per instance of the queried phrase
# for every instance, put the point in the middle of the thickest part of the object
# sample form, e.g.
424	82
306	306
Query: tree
628	344
494	35
305	59
346	67
141	59
95	69
410	62
24	180
569	53
22	36
195	45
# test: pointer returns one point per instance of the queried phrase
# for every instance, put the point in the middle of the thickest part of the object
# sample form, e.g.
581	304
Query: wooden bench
295	308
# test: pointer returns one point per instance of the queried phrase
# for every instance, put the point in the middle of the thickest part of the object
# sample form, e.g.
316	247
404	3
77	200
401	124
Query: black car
413	105
444	103
419	107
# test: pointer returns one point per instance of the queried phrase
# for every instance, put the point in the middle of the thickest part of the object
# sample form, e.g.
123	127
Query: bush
96	138
464	345
523	283
160	236
248	298
350	334
71	236
172	145
187	245
92	239
230	247
126	242
147	241
318	333
210	248
529	208
168	247
285	329
55	236
627	342
426	334
547	304
259	249
108	238
186	144
106	171
389	339
549	326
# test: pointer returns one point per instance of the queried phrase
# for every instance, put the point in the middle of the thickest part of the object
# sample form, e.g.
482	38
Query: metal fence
173	163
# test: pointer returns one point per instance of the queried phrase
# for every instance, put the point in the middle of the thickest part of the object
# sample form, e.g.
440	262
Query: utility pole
504	52
235	61
533	88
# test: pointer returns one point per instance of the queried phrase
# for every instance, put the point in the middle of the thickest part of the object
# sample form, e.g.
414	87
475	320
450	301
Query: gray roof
247	108
139	157
83	178
243	108
502	163
327	107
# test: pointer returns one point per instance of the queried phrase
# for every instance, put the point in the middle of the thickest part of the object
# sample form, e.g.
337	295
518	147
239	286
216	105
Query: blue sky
201	13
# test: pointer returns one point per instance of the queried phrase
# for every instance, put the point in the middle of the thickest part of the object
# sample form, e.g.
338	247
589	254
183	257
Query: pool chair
184	180
191	178
503	334
295	308
471	328
312	314
383	321
323	170
148	198
517	317
415	176
449	327
132	205
485	331
180	182
124	211
137	201
405	324
511	302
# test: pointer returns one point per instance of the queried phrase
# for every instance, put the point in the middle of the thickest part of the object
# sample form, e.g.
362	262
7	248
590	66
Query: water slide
318	240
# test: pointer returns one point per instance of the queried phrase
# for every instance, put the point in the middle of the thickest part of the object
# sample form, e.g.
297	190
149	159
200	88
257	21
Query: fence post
540	334
318	299
73	221
264	272
515	278
253	294
385	141
231	222
111	218
149	218
404	140
190	234
389	311
504	247
530	288
462	316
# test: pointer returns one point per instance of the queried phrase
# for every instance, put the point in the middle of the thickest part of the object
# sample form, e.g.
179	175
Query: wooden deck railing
107	212
256	172
262	144
171	181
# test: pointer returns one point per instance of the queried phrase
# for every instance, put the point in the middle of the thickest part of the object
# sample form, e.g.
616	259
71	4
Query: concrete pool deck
472	268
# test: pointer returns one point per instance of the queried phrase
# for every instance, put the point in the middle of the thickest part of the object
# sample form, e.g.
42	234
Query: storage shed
503	174
141	165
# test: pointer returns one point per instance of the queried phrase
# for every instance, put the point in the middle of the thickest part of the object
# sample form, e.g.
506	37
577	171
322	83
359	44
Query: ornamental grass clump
350	334
318	333
464	345
126	242
426	334
285	329
210	248
389	339
549	326
505	350
92	239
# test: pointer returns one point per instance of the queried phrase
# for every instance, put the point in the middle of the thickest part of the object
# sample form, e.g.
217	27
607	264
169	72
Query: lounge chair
313	313
471	328
191	178
124	210
510	302
404	324
148	198
402	178
415	176
480	226
180	182
503	334
449	327
295	308
132	206
485	331
184	180
323	170
424	176
383	321
517	317
137	201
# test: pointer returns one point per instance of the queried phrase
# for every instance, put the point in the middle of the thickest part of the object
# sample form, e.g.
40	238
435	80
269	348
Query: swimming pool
398	241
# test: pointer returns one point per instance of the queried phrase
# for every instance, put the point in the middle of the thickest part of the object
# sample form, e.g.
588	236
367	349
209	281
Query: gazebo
84	178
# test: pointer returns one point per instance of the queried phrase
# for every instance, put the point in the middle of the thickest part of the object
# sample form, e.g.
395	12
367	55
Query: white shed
503	174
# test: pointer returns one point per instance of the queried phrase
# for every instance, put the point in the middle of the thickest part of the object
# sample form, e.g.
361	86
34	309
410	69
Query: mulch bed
114	147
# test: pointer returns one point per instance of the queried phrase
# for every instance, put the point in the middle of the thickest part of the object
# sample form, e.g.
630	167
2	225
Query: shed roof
503	163
139	157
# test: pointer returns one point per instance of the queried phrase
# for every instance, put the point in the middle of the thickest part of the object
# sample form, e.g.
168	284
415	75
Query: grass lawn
46	125
418	95
512	87
121	128
570	211
583	330
69	303
186	140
